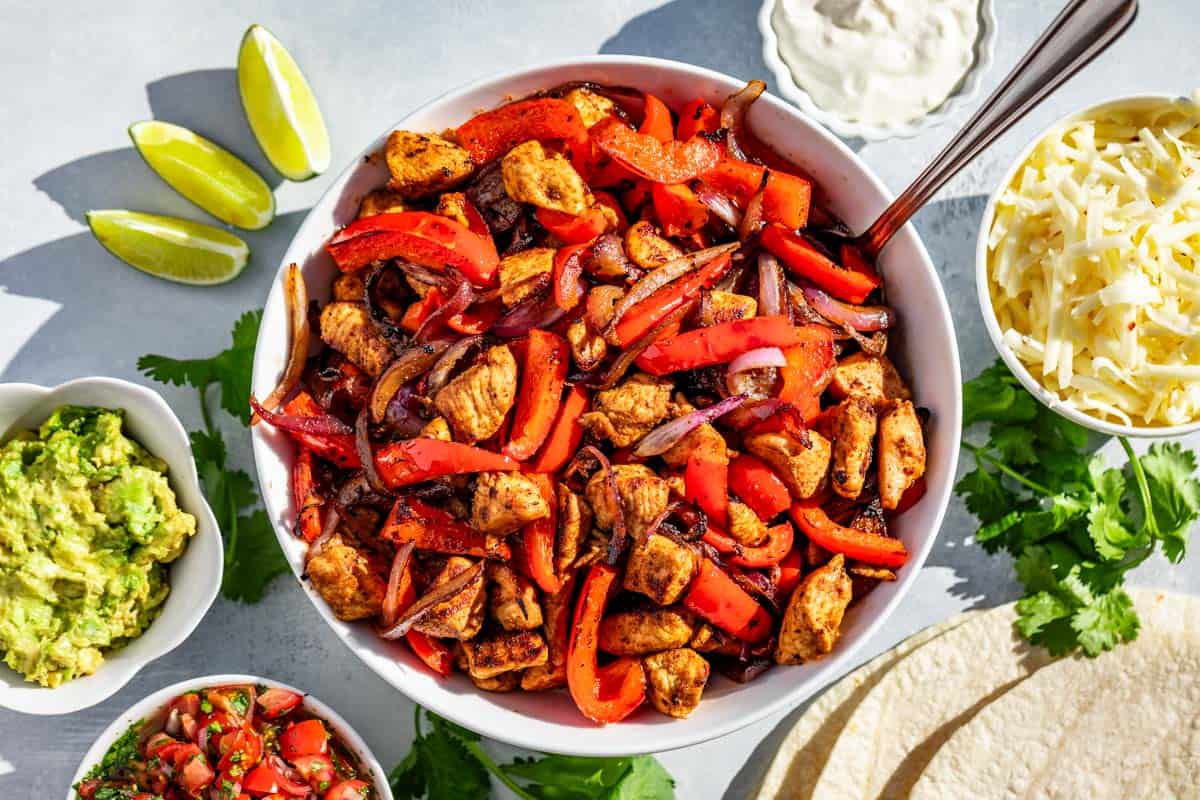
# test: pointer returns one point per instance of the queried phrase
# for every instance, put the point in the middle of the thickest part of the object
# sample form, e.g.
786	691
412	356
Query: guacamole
87	523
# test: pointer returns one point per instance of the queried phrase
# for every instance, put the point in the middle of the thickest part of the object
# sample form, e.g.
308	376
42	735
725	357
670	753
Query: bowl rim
967	90
145	707
1051	399
677	736
206	524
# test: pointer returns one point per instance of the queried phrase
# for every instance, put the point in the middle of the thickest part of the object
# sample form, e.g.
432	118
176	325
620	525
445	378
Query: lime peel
174	249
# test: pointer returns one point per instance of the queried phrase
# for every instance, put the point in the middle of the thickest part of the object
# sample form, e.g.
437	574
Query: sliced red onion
758	358
378	315
173	726
295	293
332	518
427	275
664	437
860	318
456	303
607	257
625	360
721	206
366	454
327	425
733	116
619	538
770	286
410	364
391	598
440	374
752	413
539	311
421	608
752	220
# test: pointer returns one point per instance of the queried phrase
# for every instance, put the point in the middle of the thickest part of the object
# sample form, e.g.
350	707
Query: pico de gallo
605	404
230	743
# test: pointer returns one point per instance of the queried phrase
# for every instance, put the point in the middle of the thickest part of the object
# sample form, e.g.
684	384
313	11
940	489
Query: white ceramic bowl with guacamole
193	578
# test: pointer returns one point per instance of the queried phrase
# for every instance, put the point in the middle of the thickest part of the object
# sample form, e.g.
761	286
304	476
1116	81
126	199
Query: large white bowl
1047	397
927	353
194	577
154	704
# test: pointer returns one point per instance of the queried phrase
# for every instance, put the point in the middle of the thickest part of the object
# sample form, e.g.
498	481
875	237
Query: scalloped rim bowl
966	91
149	706
195	577
549	721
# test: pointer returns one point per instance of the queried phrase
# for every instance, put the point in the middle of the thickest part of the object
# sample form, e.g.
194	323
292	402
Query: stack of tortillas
966	709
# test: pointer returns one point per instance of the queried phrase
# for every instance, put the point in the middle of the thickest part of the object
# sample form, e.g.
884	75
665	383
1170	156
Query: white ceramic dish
549	721
967	90
195	577
1047	397
151	705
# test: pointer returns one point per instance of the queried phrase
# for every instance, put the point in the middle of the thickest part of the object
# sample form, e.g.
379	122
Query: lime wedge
280	107
205	173
167	247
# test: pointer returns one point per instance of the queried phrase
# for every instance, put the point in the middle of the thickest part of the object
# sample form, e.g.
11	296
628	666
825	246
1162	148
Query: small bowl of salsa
229	737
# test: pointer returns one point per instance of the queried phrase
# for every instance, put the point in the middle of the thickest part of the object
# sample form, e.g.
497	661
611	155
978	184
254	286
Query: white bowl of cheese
1088	267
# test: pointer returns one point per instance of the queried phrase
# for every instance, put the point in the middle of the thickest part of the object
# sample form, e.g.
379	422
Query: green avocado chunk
87	523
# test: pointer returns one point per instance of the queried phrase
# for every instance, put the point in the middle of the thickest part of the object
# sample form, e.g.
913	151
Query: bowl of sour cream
878	69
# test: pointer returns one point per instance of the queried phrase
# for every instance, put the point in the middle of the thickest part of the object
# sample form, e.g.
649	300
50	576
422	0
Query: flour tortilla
1124	725
803	752
919	704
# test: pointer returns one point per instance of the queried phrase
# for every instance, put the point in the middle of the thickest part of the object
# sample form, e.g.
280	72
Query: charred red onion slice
456	303
664	437
391	598
295	293
625	360
733	116
421	608
327	425
752	413
659	278
413	362
770	287
440	374
332	518
758	358
721	206
378	315
608	255
539	311
427	275
752	220
860	318
618	539
366	454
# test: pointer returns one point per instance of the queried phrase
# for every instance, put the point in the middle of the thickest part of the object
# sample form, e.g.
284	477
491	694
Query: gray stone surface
75	74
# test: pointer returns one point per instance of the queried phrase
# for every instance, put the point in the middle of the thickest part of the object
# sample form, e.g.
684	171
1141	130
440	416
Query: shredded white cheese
1093	263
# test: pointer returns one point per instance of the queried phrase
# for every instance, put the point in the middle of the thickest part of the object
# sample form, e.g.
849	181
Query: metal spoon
1081	31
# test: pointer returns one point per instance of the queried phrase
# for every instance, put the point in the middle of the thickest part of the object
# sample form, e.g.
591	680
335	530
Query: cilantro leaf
647	779
996	396
1174	494
253	560
1107	621
452	771
407	778
569	777
985	494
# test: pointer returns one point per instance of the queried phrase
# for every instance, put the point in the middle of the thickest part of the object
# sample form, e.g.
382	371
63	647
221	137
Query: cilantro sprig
1074	525
252	555
448	762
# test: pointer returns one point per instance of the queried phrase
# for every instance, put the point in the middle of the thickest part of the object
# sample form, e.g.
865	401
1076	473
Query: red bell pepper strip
338	449
306	497
435	655
656	119
808	362
871	548
493	133
677	209
431	528
563	441
637	195
697	117
669	162
716	597
612	692
758	486
537	540
475	222
477	319
419	310
787	198
417	236
638	320
416	460
706	483
572	228
716	344
780	539
791	572
851	285
543	375
568	267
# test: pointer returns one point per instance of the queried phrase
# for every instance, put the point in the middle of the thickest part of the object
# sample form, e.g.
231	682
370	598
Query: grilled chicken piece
381	201
349	287
901	451
626	413
436	428
645	630
505	501
504	651
802	466
854	427
553	673
476	401
344	577
604	298
705	440
347	328
873	378
459	616
675	680
453	205
592	107
813	618
647	248
757	384
504	682
513	600
708	639
532	174
422	164
660	568
745	526
727	307
644	495
588	348
519	273
574	524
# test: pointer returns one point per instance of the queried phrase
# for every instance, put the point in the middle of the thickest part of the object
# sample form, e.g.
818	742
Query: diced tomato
264	780
316	769
240	750
192	771
349	790
276	702
697	117
305	738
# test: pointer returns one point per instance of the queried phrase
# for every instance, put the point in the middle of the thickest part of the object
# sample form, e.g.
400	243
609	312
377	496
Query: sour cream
880	62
